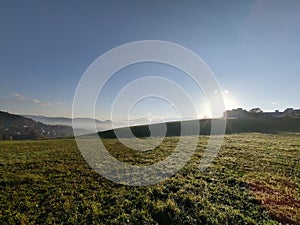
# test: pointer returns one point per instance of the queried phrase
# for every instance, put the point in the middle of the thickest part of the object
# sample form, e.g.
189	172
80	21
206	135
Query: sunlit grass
254	180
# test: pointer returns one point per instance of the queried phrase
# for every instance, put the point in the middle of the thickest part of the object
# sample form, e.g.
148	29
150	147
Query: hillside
240	125
19	127
15	127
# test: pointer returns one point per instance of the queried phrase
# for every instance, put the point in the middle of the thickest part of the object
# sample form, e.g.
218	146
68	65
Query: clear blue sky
45	46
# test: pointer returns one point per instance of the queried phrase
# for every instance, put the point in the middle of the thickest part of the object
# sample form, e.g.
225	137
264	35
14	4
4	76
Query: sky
252	47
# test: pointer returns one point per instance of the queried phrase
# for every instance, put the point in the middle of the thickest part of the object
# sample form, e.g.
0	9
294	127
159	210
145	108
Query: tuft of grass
254	180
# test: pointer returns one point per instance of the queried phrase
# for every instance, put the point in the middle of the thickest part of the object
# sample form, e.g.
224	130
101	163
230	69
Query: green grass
254	180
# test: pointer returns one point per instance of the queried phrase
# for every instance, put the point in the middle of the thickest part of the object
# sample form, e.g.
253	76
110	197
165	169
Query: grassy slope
255	180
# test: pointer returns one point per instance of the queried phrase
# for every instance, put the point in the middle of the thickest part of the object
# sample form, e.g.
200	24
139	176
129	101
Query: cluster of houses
257	112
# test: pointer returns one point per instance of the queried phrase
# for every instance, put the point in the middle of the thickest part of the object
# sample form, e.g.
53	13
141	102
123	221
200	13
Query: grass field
254	180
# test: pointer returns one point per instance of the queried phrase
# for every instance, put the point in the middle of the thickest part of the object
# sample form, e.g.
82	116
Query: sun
229	101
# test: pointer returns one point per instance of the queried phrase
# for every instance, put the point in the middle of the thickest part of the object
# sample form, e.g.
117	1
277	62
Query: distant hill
19	127
15	127
239	125
81	122
106	125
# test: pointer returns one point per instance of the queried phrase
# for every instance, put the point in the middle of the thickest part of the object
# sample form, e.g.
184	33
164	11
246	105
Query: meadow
255	179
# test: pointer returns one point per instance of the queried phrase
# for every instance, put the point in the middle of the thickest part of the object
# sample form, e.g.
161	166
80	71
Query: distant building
273	114
290	112
256	112
236	113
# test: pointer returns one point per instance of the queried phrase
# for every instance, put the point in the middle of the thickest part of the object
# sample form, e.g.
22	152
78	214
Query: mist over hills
83	123
101	125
